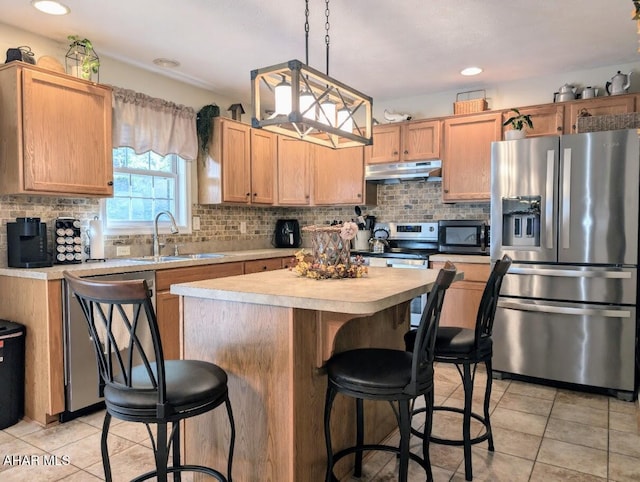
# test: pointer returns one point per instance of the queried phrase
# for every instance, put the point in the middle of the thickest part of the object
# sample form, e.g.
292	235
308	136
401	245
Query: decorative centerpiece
331	255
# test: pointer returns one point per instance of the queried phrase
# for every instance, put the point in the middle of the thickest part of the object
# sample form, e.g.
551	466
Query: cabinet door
547	119
421	140
462	299
386	144
66	128
293	171
168	315
617	104
466	160
236	162
338	175
264	149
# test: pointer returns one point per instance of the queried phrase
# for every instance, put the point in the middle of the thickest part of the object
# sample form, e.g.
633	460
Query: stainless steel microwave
463	237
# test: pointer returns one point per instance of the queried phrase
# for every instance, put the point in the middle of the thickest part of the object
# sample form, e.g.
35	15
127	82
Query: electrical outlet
195	223
123	250
243	227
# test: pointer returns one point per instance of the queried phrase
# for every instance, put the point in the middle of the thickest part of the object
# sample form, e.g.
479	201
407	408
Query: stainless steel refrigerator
566	210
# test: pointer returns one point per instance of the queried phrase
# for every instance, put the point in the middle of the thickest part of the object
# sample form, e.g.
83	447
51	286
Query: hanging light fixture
310	105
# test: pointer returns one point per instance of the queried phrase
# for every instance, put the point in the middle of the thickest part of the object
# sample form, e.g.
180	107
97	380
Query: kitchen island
272	333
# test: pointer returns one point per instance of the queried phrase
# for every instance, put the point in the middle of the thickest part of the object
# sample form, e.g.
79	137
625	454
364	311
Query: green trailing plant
83	51
518	121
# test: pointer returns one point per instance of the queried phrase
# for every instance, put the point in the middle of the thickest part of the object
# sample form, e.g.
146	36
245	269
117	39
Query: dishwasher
81	378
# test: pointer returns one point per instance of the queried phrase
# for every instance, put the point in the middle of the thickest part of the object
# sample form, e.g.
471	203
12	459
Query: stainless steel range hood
404	171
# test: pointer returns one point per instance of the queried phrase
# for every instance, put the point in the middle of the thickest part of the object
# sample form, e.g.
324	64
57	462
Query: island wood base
277	389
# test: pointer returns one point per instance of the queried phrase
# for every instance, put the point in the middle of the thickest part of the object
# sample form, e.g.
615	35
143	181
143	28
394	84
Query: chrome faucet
173	227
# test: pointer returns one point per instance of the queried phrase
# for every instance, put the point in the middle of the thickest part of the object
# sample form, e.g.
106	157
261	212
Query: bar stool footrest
184	468
456	442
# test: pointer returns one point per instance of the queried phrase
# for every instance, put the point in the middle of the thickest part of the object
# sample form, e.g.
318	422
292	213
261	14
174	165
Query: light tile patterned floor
541	434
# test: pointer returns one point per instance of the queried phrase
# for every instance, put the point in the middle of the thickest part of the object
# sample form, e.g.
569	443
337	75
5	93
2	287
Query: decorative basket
329	249
331	256
470	106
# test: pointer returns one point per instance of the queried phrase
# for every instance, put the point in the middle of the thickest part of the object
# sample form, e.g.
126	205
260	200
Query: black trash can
12	337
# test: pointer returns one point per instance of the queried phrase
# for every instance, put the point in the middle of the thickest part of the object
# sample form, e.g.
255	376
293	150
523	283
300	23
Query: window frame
183	201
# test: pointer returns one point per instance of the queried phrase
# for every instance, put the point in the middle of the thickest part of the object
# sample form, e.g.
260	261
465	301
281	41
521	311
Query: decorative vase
515	134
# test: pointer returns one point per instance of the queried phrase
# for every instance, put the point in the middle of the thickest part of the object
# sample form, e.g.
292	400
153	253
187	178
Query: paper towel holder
96	241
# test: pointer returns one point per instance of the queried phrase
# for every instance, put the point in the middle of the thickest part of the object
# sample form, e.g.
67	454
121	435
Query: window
143	185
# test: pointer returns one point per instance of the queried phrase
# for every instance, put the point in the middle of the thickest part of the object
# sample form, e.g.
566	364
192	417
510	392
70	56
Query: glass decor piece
331	255
81	60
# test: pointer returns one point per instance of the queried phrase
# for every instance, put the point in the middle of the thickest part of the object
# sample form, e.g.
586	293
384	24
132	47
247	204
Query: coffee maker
27	244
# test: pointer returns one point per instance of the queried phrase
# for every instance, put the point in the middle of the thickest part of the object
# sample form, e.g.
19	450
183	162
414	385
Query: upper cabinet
294	171
404	141
615	104
466	156
264	158
239	166
547	119
56	134
338	175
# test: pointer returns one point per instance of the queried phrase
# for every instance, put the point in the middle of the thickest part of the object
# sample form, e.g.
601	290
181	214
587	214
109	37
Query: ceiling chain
306	30
326	28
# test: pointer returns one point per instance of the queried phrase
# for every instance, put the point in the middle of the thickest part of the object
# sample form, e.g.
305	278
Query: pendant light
310	105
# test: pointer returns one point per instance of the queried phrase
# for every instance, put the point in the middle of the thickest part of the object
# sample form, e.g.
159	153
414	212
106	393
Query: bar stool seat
466	348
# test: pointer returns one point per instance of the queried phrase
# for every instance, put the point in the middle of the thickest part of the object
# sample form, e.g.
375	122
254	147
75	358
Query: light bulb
327	114
283	98
306	101
345	121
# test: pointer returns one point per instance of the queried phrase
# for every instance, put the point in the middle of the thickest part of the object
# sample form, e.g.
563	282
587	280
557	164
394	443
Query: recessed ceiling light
50	7
166	63
471	71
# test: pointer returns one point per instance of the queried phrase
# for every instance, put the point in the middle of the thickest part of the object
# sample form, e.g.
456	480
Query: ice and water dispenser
521	221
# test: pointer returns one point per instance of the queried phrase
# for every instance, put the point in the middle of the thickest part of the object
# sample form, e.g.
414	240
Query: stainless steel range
406	245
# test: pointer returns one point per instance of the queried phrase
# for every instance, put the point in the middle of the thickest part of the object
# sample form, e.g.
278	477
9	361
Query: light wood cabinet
405	141
56	134
294	172
168	305
338	175
463	297
616	104
466	156
264	152
259	265
547	119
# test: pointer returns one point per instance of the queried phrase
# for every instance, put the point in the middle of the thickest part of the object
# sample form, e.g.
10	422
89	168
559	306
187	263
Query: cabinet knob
255	194
559	129
248	194
395	153
359	195
110	183
446	190
406	152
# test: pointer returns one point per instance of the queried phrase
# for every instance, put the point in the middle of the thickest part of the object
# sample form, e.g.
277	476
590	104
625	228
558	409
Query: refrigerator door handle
566	199
563	310
570	273
548	205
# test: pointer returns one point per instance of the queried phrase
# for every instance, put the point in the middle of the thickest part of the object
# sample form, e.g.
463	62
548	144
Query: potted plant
518	122
81	60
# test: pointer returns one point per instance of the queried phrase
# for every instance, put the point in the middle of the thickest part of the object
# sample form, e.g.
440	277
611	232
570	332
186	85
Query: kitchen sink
179	257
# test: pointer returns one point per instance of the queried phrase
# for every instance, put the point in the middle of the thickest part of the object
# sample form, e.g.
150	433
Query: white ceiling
386	49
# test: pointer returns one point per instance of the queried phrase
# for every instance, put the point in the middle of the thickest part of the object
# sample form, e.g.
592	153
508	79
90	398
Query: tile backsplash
416	201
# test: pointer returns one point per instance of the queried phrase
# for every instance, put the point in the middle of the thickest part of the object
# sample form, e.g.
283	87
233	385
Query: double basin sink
177	257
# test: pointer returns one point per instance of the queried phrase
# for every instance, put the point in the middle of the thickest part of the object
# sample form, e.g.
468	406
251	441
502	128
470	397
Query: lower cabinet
167	305
462	299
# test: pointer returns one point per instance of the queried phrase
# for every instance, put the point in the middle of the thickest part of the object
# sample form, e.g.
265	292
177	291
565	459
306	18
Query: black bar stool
466	348
137	383
389	375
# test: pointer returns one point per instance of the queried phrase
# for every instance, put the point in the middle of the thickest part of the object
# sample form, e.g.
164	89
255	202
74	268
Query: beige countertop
380	289
124	265
461	258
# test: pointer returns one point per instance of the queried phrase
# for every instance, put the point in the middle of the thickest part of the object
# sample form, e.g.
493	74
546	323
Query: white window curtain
145	123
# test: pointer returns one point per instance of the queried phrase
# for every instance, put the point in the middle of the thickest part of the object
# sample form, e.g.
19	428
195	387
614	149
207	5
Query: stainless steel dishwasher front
80	368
